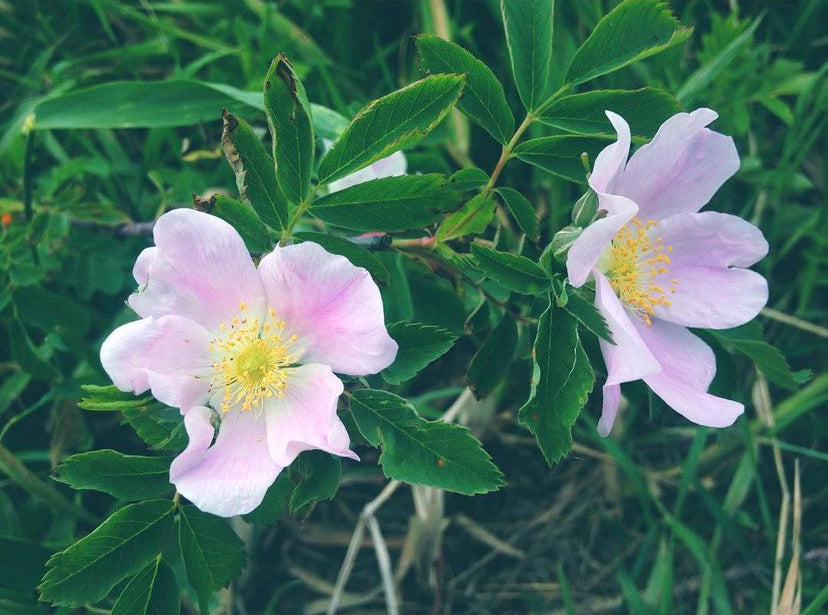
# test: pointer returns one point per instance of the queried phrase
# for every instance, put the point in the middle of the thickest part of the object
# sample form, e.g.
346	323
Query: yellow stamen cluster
251	357
636	260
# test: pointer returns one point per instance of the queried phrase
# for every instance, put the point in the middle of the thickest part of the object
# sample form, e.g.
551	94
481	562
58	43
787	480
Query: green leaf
254	170
27	357
632	31
318	475
588	315
289	118
644	109
512	271
528	25
109	398
522	211
160	104
127	477
139	104
387	204
483	99
750	341
44	309
120	546
561	155
561	382
153	591
358	255
705	74
213	554
493	359
419	345
468	179
391	123
423	452
21	562
161	427
327	123
473	217
240	216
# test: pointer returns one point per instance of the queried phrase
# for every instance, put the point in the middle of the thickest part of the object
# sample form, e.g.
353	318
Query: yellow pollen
635	262
250	361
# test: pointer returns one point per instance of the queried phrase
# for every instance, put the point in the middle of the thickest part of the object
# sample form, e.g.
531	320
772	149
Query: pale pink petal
391	166
610	162
681	168
596	238
333	307
231	476
305	418
168	355
628	358
199	268
689	366
609	409
710	290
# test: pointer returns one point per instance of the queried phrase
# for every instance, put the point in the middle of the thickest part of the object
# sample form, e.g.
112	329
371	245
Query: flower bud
563	240
583	213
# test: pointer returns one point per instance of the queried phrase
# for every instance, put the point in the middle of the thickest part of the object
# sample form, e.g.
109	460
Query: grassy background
663	517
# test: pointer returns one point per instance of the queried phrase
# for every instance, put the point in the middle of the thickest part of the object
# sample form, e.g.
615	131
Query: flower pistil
634	262
251	357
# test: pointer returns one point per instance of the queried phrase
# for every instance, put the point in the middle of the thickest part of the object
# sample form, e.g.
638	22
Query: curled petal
595	239
711	291
168	355
333	307
610	162
609	408
391	166
591	244
199	268
628	358
681	168
305	418
231	476
688	369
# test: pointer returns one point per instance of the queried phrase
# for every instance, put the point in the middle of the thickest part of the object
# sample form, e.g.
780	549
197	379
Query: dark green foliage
123	544
512	271
493	359
419	345
483	99
289	118
387	204
213	554
561	381
255	174
396	121
153	591
423	452
127	477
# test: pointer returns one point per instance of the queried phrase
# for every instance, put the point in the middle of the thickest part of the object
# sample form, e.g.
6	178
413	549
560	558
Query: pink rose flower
253	350
660	266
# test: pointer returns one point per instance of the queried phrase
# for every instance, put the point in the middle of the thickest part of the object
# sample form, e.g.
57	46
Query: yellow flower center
636	260
251	357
